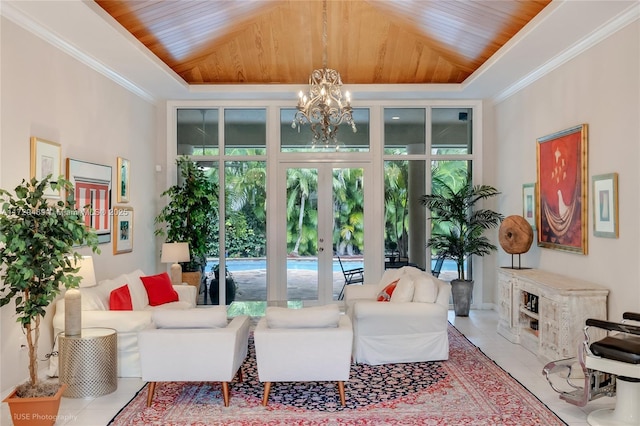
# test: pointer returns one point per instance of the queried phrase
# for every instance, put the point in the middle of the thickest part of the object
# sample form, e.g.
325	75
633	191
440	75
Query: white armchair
175	349
309	344
411	327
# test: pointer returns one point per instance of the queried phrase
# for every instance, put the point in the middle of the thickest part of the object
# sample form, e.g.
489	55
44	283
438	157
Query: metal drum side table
89	362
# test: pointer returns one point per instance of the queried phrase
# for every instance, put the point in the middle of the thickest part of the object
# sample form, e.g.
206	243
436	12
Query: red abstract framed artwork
92	185
562	190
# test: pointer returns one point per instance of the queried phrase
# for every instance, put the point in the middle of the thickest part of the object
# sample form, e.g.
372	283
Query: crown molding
9	11
625	18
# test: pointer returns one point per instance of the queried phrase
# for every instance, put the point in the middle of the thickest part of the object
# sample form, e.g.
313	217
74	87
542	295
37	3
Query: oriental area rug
468	389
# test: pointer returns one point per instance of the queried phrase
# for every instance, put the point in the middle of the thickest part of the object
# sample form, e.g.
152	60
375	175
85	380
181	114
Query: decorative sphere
515	235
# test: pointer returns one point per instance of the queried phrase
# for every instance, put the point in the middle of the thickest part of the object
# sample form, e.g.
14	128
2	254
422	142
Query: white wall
48	94
600	87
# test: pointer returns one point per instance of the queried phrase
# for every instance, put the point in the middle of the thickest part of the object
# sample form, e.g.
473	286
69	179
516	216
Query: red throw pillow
385	294
159	289
120	299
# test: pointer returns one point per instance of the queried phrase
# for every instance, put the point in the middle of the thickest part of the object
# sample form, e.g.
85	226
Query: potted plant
230	286
458	231
190	216
37	258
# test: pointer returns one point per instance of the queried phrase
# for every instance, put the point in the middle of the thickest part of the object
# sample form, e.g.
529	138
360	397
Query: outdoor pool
240	265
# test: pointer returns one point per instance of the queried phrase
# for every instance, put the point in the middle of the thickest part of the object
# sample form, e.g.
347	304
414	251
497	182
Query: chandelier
324	107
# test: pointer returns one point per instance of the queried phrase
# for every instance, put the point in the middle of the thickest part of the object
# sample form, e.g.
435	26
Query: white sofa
410	327
96	313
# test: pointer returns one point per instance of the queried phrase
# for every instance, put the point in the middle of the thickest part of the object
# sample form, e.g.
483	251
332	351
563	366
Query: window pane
246	229
197	131
452	173
405	217
404	130
294	139
245	131
451	131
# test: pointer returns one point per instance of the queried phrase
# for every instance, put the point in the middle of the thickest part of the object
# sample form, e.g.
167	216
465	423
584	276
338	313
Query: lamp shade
175	252
86	272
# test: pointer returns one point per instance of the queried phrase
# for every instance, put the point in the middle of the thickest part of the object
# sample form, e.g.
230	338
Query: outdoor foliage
245	205
37	237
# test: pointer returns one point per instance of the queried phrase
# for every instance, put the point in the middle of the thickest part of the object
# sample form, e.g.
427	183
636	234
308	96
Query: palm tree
301	183
395	195
348	211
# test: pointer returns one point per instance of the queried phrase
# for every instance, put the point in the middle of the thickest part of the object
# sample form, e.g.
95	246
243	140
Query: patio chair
437	267
351	276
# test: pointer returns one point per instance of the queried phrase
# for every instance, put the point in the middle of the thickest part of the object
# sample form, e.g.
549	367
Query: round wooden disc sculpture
515	235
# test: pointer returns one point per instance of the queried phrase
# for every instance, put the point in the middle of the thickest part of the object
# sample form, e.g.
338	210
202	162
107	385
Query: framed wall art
123	188
122	229
92	185
529	203
46	160
605	205
562	190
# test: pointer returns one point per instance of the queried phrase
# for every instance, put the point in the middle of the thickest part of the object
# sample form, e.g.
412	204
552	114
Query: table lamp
72	299
175	252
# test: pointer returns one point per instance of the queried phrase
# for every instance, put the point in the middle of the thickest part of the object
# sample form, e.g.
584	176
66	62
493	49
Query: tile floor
479	327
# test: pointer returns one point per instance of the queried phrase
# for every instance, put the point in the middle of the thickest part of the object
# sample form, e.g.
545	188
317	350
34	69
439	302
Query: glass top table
257	308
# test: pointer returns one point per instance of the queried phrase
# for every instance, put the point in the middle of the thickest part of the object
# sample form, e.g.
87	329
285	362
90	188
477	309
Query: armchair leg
152	388
225	393
265	396
239	375
343	398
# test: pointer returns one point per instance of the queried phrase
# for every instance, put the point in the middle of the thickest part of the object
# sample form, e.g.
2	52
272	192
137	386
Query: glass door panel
347	202
324	217
302	233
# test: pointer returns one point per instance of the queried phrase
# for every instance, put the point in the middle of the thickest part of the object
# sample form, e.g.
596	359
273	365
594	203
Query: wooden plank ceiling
369	42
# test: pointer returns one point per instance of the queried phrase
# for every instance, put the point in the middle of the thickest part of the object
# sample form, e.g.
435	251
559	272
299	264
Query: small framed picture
605	205
124	170
122	229
529	203
46	159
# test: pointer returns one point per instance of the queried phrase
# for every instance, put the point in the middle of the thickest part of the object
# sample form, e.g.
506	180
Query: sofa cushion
385	294
389	276
210	317
120	299
92	299
325	316
159	289
104	288
404	290
139	295
425	289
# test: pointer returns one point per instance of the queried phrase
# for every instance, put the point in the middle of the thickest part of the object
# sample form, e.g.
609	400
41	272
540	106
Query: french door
322	210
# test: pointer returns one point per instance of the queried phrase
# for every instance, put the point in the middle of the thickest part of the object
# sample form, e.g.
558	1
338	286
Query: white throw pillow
91	299
213	317
425	288
389	276
139	296
326	316
404	290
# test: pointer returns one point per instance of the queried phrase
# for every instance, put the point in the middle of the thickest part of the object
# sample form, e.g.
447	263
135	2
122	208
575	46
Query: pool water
240	265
